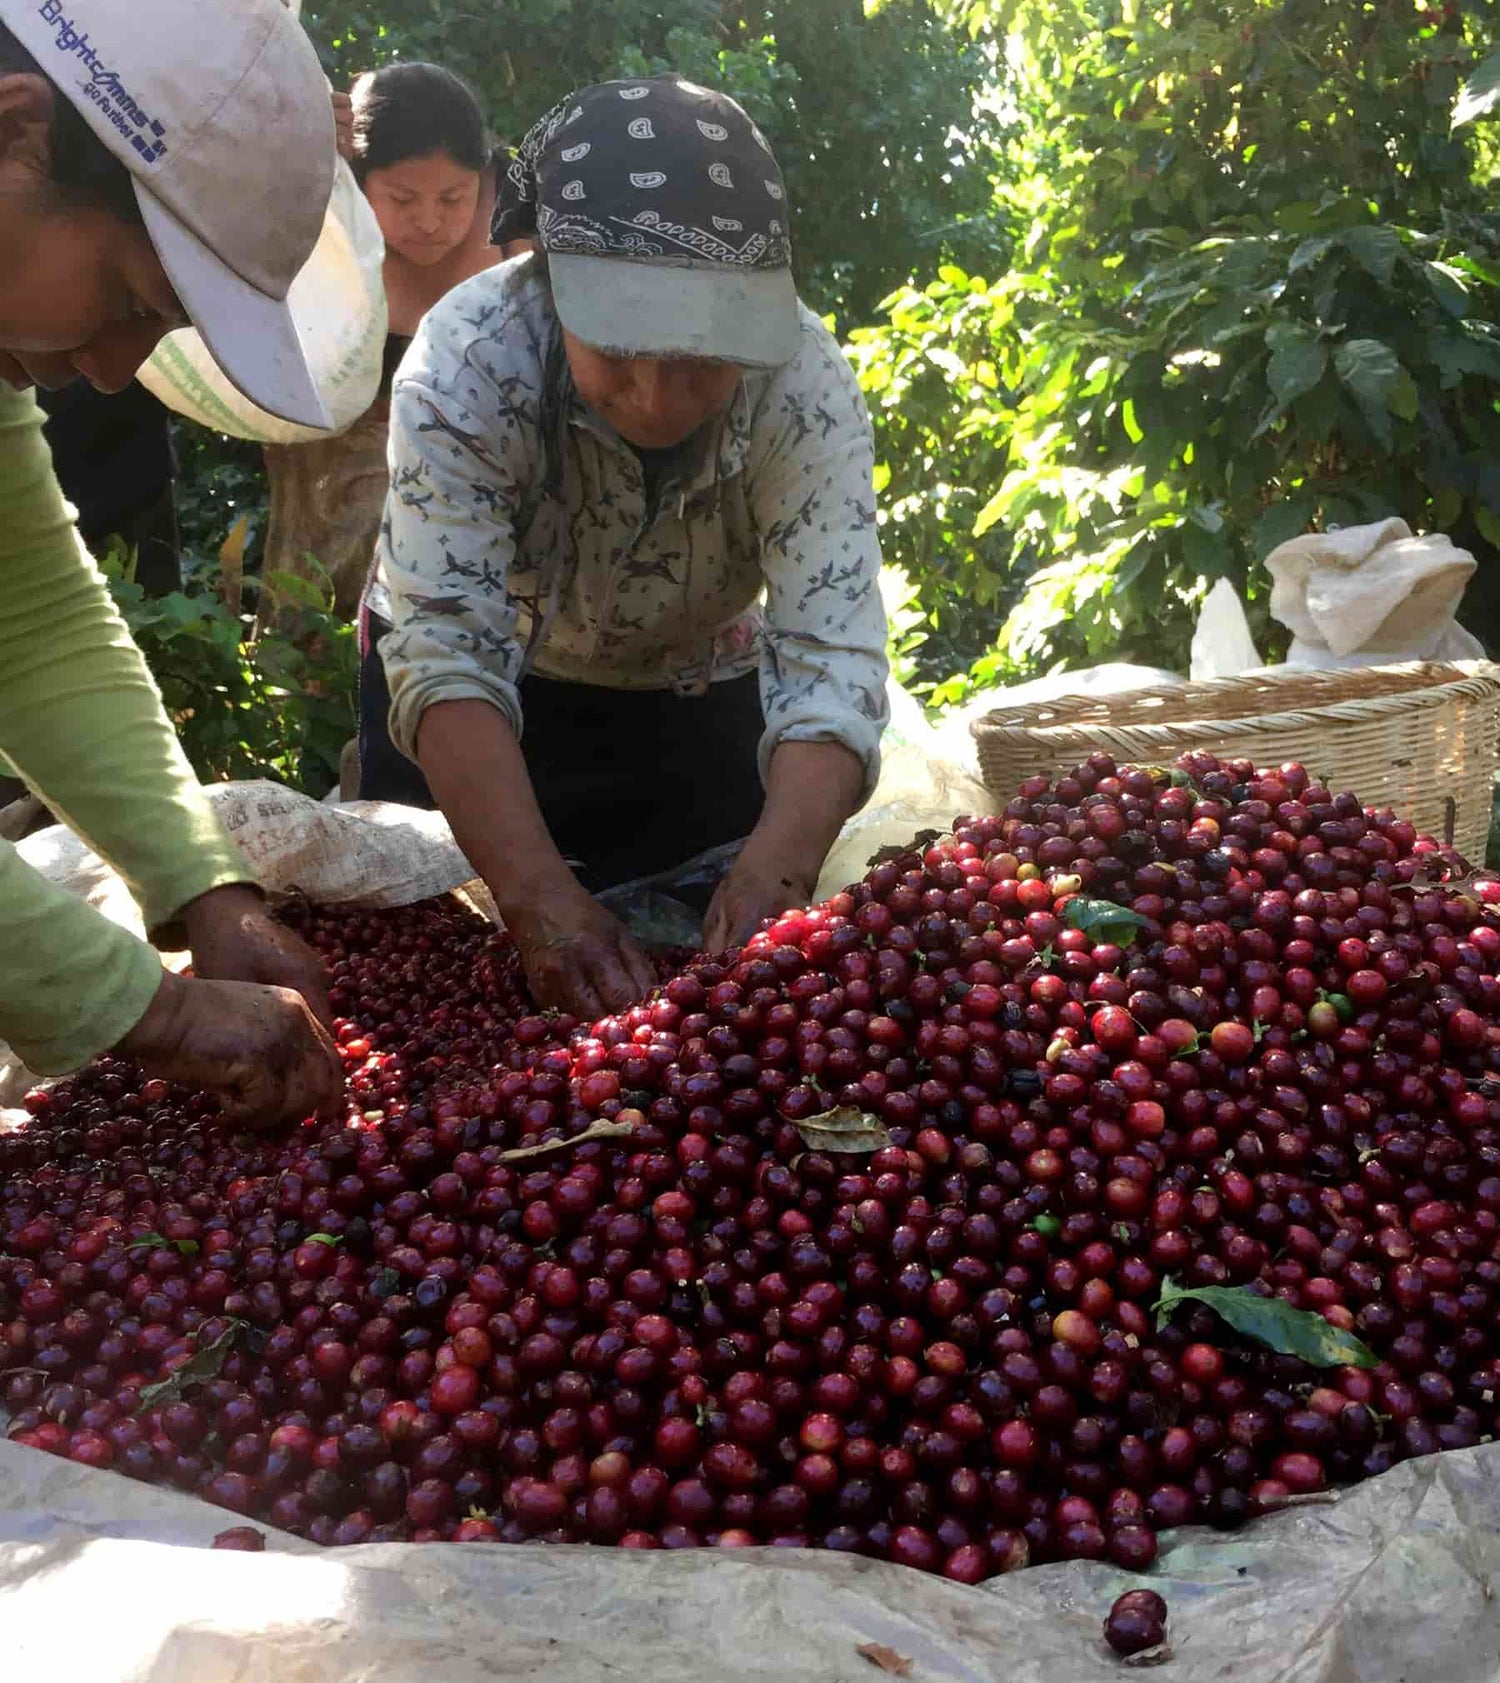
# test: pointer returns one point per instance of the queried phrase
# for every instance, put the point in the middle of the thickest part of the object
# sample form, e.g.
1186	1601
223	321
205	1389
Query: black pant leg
385	773
158	565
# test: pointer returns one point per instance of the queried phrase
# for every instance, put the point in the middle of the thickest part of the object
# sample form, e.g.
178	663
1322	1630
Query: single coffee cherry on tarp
1138	1620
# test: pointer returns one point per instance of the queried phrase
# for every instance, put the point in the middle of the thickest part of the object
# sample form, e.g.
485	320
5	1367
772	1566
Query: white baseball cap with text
220	111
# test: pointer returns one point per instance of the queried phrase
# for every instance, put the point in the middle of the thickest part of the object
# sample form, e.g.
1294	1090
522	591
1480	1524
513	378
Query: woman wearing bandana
626	605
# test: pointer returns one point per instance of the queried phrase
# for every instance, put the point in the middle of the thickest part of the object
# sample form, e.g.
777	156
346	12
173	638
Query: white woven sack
920	788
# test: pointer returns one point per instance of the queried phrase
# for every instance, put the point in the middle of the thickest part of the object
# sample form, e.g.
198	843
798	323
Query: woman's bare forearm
577	957
811	790
476	771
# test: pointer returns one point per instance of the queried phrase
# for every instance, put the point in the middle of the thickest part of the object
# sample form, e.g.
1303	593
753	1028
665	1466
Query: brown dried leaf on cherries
600	1130
1462	881
886	1658
897	850
845	1130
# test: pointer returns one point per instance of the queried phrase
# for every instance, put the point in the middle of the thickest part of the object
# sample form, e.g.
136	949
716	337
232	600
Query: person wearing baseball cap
631	510
162	163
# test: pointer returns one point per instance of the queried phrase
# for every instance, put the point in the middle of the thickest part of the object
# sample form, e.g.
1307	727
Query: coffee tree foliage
1249	286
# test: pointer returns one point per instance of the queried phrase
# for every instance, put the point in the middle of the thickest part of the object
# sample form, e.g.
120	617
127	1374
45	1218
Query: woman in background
422	154
420	149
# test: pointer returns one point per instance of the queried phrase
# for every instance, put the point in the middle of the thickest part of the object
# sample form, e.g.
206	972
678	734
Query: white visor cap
221	113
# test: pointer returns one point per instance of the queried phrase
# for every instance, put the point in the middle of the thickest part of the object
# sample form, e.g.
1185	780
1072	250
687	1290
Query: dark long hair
411	110
84	171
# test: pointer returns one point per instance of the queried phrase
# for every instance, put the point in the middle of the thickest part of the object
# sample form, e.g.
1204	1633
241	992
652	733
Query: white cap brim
251	335
748	316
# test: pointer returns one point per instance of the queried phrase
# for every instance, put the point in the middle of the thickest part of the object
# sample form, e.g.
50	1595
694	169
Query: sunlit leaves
1298	359
1370	370
1254	284
1481	93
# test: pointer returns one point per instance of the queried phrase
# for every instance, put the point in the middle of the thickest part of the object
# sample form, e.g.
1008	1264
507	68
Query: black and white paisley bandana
658	170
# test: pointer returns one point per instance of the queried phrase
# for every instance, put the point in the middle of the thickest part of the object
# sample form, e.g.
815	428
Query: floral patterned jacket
518	537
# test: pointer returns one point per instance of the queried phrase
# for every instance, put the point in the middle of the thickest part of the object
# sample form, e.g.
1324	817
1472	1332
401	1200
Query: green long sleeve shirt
82	722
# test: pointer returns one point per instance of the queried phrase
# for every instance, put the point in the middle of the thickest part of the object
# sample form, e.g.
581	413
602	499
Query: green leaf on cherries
844	1130
1103	921
155	1242
1047	1225
330	1239
203	1365
1181	780
1273	1322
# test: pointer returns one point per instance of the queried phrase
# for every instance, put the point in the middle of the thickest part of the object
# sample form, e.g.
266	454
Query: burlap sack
1372	596
327	500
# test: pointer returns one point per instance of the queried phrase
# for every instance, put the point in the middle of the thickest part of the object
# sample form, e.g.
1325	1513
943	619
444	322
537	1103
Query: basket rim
1472	680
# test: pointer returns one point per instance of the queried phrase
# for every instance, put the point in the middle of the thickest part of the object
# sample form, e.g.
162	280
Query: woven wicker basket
1422	738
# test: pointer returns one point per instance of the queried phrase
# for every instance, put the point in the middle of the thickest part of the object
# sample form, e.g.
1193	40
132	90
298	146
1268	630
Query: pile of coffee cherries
850	1239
